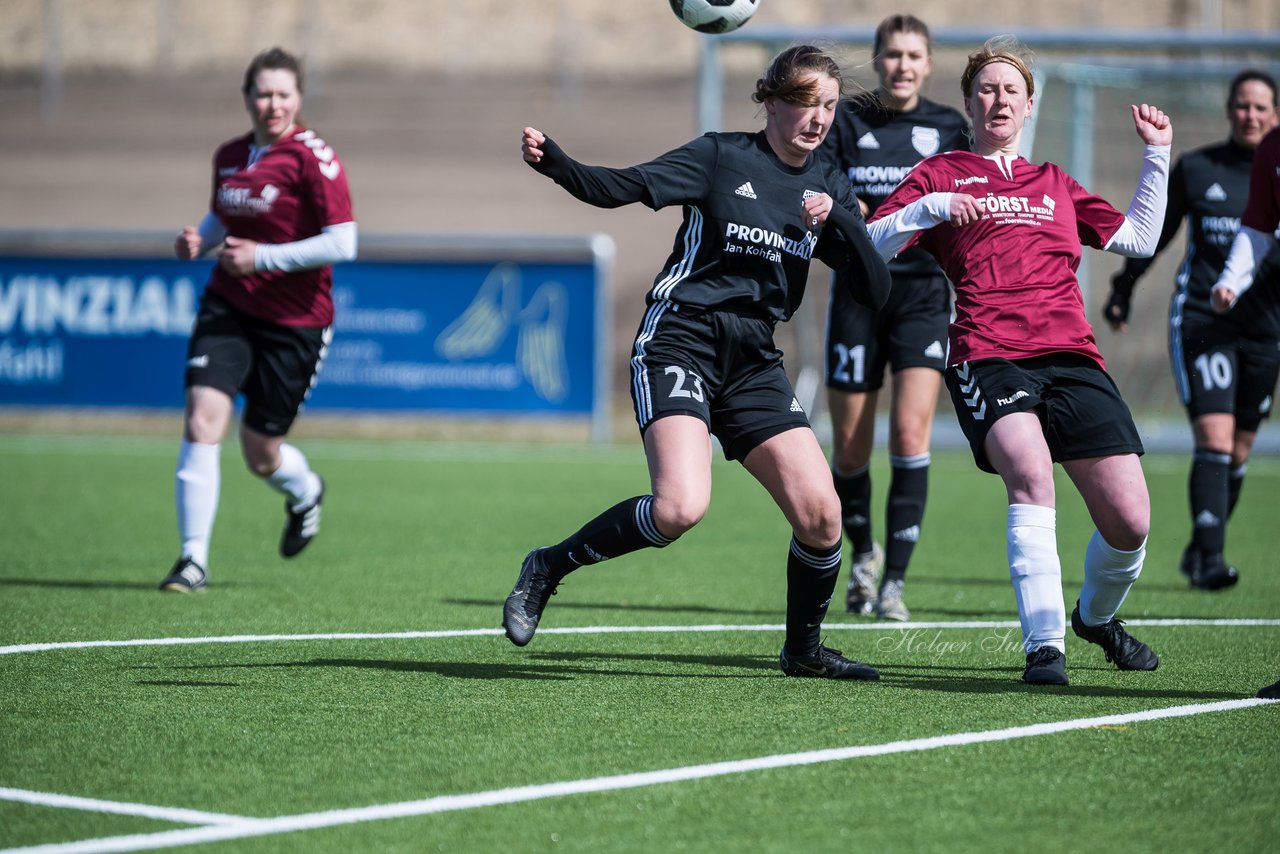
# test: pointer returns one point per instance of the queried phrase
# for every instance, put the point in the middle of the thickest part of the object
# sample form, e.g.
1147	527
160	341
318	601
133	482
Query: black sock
1235	482
1207	487
624	527
854	490
904	511
811	579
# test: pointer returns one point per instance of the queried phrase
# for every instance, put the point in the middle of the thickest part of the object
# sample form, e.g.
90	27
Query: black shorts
1219	369
1079	406
720	367
910	331
273	366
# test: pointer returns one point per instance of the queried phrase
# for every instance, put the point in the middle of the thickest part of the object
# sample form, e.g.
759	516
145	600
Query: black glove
1116	311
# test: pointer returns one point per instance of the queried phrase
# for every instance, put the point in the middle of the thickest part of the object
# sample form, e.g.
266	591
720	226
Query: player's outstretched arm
1139	234
601	186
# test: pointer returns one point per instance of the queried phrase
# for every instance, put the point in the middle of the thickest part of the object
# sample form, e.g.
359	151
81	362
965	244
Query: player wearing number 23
756	207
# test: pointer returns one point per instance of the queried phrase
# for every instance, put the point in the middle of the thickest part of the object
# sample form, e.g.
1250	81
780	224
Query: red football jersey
286	192
1263	210
1014	270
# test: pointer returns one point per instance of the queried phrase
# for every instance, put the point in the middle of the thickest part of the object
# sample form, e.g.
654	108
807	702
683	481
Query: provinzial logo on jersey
878	174
753	240
927	141
876	180
1219	230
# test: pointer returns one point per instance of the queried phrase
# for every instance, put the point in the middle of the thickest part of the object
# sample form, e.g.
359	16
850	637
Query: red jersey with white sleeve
1262	212
288	191
1014	271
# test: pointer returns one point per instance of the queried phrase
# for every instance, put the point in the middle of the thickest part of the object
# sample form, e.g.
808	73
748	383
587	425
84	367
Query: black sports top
742	245
875	147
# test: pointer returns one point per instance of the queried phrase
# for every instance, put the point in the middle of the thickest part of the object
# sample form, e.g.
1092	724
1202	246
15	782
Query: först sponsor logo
240	201
1016	209
753	240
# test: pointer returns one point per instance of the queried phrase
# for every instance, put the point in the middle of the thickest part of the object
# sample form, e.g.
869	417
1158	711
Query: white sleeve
1249	247
891	233
1140	232
212	232
333	244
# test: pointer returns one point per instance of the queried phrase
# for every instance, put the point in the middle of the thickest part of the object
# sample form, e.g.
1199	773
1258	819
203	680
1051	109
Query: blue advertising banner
469	336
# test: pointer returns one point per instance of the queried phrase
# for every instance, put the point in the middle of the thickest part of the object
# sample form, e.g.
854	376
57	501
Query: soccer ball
714	16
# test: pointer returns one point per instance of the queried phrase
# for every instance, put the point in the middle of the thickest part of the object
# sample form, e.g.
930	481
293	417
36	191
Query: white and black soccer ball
714	16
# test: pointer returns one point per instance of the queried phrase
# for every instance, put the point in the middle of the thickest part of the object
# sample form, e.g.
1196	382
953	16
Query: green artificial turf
429	538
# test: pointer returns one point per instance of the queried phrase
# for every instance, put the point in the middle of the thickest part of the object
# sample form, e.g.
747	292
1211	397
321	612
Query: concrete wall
493	37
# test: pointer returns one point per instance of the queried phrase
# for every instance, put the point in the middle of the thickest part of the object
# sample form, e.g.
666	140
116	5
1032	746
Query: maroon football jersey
1014	270
286	192
1263	210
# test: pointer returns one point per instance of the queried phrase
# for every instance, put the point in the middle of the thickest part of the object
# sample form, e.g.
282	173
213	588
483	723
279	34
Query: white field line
15	649
520	794
177	815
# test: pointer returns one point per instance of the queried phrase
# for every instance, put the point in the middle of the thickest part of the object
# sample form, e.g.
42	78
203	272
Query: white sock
1108	575
295	478
198	480
1036	574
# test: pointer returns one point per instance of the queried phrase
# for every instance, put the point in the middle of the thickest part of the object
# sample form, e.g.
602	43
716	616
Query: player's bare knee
818	523
203	427
260	466
676	514
849	456
1126	526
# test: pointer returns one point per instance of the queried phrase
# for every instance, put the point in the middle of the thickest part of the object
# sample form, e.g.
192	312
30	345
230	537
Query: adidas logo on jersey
746	191
1215	193
198	362
935	351
795	405
868	140
1205	519
908	535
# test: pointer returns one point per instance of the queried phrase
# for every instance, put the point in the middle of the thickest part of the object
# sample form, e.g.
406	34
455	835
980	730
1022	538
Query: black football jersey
1208	187
742	245
876	147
